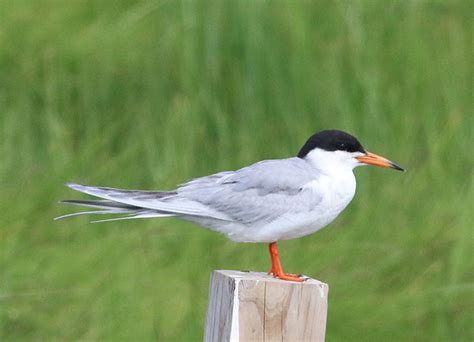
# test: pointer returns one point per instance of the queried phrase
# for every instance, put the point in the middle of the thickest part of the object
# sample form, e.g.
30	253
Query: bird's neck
330	163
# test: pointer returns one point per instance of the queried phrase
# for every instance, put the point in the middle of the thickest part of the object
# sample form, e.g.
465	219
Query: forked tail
120	204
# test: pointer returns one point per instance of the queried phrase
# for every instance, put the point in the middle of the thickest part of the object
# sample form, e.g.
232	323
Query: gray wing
165	203
262	192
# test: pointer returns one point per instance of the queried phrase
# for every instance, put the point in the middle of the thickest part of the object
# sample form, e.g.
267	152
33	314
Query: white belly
338	192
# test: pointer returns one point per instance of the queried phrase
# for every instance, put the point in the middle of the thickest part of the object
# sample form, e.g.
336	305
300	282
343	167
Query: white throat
333	162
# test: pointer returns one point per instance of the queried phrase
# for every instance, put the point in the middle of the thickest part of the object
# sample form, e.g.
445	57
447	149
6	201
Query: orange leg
277	270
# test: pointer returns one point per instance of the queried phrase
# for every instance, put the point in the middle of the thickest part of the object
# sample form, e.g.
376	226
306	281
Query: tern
269	201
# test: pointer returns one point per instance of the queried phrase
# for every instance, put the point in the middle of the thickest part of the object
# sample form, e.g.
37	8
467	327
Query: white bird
268	201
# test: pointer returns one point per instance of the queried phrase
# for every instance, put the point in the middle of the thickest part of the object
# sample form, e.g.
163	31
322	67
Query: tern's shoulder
286	168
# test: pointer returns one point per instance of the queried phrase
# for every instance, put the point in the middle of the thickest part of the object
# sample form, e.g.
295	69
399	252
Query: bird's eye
342	146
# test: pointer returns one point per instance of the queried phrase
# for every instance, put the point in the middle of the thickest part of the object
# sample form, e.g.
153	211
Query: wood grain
249	306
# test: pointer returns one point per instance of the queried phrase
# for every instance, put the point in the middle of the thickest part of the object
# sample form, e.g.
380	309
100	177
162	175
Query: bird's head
334	150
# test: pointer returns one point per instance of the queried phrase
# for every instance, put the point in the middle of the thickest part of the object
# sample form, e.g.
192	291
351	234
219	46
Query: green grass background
147	94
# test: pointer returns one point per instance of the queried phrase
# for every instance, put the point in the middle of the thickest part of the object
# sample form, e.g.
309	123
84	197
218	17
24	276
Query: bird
266	202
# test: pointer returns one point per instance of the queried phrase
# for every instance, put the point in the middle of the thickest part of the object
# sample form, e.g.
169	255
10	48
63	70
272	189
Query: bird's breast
336	191
334	194
327	197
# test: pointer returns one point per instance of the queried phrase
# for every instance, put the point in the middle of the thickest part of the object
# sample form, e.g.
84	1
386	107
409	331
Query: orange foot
277	270
289	276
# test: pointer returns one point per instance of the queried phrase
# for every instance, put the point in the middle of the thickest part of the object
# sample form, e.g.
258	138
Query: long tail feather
134	216
162	202
101	204
109	206
93	212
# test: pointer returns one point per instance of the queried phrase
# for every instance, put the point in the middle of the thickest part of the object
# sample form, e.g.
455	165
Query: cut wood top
253	306
261	276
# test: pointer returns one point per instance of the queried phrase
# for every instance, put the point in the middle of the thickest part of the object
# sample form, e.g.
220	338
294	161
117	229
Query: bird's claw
288	276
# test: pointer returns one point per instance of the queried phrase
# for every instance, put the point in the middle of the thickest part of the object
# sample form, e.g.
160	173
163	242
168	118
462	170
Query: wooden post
250	306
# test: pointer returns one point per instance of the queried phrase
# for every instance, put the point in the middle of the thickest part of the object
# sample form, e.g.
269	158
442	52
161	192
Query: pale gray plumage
261	192
268	201
226	201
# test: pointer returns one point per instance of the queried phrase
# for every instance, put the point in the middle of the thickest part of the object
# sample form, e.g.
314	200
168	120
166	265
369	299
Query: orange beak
373	159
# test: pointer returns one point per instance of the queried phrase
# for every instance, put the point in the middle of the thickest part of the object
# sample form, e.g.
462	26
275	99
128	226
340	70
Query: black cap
331	140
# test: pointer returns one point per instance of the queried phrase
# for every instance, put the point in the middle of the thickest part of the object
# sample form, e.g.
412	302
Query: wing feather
259	193
262	192
170	203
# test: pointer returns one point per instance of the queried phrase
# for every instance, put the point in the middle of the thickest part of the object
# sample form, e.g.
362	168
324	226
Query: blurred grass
146	94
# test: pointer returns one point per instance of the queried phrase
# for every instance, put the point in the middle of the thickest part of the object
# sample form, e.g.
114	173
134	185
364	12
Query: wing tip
68	202
74	186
